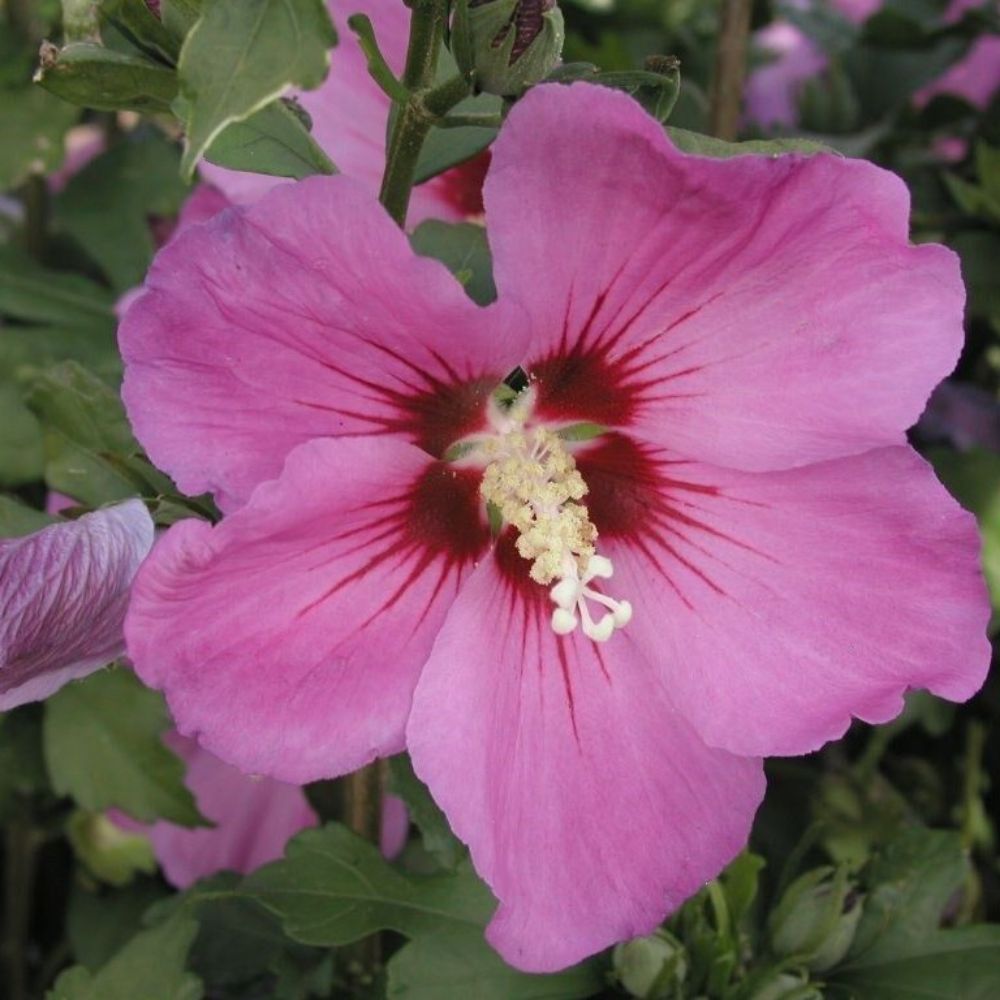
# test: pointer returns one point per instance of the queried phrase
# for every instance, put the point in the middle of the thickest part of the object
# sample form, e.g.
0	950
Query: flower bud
785	986
650	967
112	854
505	46
816	919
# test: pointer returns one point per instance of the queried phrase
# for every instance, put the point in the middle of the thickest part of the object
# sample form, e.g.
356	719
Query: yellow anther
533	481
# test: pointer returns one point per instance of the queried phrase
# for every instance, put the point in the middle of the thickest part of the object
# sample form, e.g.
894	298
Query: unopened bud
816	919
505	46
650	967
111	853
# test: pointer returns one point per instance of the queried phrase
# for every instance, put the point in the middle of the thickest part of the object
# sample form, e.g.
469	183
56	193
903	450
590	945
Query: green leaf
92	76
32	123
241	55
463	249
103	748
100	922
706	145
86	435
180	16
333	888
457	964
425	812
22	458
135	18
17	519
22	767
31	292
959	964
272	141
107	206
150	967
973	478
445	148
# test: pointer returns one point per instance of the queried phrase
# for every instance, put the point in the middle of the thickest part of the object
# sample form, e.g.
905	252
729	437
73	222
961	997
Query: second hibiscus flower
742	555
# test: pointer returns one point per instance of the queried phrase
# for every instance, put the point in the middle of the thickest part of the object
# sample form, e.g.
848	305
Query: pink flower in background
976	77
744	557
774	88
63	593
254	819
349	117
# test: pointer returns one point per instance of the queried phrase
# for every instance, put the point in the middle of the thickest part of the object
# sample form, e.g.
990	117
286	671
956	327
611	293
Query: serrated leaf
706	145
241	55
150	967
463	249
272	141
425	812
103	749
445	148
458	963
107	205
333	888
32	123
92	76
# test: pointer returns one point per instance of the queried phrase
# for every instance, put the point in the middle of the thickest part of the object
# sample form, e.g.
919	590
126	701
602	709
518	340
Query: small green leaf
31	292
461	247
333	888
425	812
272	141
22	458
17	519
458	963
135	18
92	76
241	55
706	145
150	967
103	748
32	123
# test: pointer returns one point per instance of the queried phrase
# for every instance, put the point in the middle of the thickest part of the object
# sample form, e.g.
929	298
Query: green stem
35	198
21	845
427	25
378	69
414	120
730	68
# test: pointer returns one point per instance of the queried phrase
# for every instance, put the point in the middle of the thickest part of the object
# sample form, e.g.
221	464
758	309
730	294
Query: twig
730	67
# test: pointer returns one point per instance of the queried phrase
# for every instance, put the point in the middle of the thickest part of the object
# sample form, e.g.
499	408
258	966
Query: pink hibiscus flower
253	818
752	336
349	117
63	593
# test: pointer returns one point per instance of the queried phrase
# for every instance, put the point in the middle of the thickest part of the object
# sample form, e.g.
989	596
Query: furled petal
590	805
302	316
756	312
254	817
349	113
63	592
778	605
289	637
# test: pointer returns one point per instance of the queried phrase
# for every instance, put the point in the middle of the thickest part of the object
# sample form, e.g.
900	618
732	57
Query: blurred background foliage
873	871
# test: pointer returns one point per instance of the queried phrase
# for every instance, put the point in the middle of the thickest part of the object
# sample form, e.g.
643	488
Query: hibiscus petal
779	605
289	637
63	592
254	818
302	316
756	312
589	804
